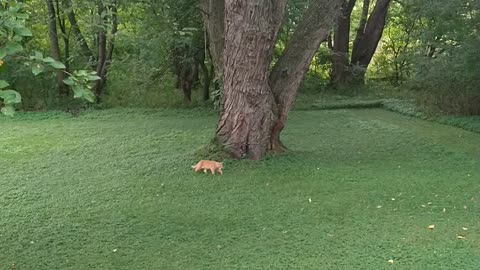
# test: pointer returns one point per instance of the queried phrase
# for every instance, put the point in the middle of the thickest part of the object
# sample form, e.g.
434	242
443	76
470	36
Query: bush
449	82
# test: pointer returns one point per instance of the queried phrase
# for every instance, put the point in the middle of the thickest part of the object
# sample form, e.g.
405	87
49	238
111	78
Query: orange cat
208	165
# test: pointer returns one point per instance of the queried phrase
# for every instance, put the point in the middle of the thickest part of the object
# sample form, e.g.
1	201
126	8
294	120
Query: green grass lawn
114	190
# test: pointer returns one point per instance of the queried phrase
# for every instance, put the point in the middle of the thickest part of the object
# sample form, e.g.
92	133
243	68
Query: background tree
369	32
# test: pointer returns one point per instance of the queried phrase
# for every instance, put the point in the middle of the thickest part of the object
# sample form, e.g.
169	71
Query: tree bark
213	12
251	29
362	23
105	47
367	43
290	69
109	47
206	75
102	52
341	62
84	49
255	105
55	47
65	36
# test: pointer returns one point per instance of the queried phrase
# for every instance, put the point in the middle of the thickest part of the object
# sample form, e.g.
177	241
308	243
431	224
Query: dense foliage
433	47
156	53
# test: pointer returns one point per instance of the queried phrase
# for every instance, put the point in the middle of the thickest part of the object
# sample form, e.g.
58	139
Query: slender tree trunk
102	52
340	73
188	80
105	47
213	12
84	49
206	74
65	35
290	69
362	23
366	44
55	47
330	41
206	81
110	45
249	106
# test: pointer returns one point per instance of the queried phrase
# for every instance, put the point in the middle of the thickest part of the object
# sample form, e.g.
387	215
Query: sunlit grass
114	190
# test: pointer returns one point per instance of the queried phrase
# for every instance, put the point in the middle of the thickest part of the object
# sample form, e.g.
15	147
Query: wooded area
247	59
239	134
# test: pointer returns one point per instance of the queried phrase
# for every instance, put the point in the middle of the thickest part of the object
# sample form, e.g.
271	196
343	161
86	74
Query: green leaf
10	97
69	81
89	96
58	65
80	92
23	31
38	55
37	69
8	110
93	78
3	84
13	47
82	73
22	16
48	60
3	52
17	38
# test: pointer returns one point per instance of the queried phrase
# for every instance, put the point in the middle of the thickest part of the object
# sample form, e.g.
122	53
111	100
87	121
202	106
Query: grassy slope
73	190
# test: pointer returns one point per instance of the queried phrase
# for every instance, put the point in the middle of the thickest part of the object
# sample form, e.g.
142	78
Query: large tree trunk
367	40
55	47
341	63
256	106
213	12
290	69
251	28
